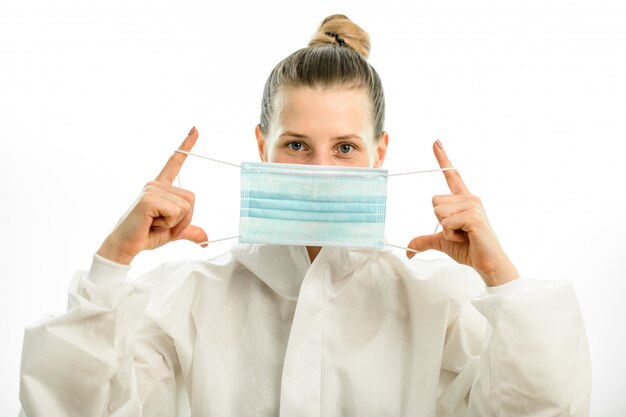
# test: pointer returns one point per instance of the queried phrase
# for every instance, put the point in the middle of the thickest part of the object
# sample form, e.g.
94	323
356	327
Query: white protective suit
262	330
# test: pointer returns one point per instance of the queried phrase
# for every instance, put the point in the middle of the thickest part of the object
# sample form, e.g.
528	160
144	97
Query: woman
307	330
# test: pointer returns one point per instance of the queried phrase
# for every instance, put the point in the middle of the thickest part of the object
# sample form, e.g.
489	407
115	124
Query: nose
322	158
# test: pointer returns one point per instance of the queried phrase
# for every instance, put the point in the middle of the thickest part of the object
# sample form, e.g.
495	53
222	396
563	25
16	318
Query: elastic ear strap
217	240
423	172
402	247
235	237
206	157
214	160
239	166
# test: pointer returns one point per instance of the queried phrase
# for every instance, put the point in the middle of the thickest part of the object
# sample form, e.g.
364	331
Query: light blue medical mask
287	204
312	205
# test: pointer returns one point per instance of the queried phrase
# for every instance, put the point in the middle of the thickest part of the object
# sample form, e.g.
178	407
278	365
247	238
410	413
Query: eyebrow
350	136
293	134
301	136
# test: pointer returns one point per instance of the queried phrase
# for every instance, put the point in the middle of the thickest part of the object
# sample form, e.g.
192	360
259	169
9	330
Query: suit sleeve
531	359
102	357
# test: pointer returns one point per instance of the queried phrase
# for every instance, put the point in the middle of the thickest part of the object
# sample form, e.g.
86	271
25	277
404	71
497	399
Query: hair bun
353	36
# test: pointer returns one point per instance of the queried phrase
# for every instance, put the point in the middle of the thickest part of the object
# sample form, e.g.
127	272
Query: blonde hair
336	57
355	37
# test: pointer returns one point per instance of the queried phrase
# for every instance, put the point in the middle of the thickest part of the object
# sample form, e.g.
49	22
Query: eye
295	146
346	148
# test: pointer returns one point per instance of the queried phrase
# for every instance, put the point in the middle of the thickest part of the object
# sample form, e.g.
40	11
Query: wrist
503	273
111	252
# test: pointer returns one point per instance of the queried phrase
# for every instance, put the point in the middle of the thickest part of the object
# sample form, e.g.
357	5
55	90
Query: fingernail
193	129
439	145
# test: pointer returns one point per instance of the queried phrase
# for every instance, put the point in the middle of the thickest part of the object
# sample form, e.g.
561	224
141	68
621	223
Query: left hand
467	236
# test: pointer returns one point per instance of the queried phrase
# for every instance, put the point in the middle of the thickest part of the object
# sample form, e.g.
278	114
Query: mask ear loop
206	157
412	173
239	166
402	247
180	186
422	172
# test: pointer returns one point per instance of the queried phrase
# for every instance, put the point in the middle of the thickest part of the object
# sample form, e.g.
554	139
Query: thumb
195	234
426	242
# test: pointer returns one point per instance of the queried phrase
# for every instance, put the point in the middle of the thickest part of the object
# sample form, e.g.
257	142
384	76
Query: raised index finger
453	178
175	163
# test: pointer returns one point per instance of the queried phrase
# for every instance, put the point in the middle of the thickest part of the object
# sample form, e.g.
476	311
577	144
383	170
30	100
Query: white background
529	100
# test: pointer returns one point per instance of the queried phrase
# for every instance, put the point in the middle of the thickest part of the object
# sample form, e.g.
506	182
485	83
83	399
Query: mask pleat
312	205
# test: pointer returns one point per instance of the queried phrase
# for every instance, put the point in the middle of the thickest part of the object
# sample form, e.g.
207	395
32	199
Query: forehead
325	109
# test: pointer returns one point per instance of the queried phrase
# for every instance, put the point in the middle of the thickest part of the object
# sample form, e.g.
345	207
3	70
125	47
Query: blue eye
295	146
346	148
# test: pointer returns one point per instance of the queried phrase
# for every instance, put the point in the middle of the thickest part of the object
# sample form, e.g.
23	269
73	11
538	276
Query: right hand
161	215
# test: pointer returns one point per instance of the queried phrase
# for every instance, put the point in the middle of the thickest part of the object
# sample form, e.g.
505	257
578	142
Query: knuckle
147	200
172	220
438	200
152	184
475	206
190	196
448	234
150	187
476	216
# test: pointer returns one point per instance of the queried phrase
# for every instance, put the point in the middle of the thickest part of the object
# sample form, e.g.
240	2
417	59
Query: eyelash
295	142
303	147
352	148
